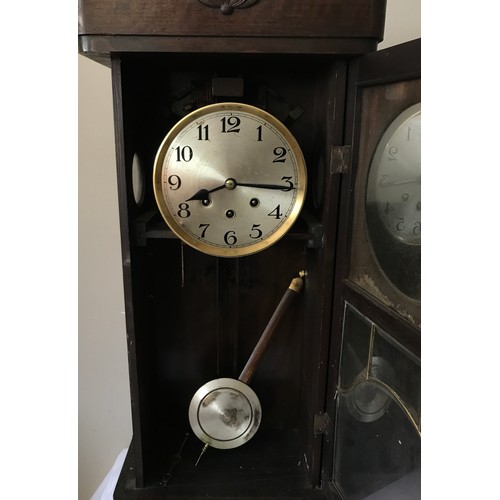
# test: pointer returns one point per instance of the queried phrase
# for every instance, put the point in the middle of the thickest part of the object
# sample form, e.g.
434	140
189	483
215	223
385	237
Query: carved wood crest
227	6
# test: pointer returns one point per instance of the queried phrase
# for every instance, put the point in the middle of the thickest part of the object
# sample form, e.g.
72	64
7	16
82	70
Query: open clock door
373	450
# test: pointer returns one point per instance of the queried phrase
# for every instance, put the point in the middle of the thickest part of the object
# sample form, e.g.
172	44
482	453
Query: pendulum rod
244	379
293	290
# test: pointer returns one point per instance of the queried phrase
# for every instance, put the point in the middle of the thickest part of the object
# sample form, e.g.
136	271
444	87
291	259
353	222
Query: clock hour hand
202	194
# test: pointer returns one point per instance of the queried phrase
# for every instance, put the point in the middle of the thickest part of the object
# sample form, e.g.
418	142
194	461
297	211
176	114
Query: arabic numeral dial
394	183
229	179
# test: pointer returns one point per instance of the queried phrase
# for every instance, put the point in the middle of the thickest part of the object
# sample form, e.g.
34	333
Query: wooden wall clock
241	161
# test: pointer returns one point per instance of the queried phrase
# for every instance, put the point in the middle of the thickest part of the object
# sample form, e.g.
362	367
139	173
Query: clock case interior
197	317
192	317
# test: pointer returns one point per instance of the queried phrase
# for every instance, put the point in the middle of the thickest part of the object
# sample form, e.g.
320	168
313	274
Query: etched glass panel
399	369
377	436
355	345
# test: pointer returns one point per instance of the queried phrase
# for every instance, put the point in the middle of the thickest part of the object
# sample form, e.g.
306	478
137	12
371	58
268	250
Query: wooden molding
227	6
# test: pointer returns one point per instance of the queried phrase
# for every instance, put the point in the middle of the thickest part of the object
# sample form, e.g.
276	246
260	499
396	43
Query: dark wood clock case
193	317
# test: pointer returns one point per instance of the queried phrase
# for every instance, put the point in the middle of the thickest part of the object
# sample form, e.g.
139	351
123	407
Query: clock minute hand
202	194
384	184
266	186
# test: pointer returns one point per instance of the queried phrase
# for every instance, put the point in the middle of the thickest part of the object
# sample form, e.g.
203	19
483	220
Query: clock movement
255	139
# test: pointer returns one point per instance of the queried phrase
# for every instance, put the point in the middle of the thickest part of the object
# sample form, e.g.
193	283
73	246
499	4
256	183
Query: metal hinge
322	423
340	159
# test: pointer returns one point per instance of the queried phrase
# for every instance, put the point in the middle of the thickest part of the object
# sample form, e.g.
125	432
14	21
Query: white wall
402	22
104	410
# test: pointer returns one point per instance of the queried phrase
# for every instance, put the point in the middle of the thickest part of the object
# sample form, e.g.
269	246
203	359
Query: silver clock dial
229	179
394	179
